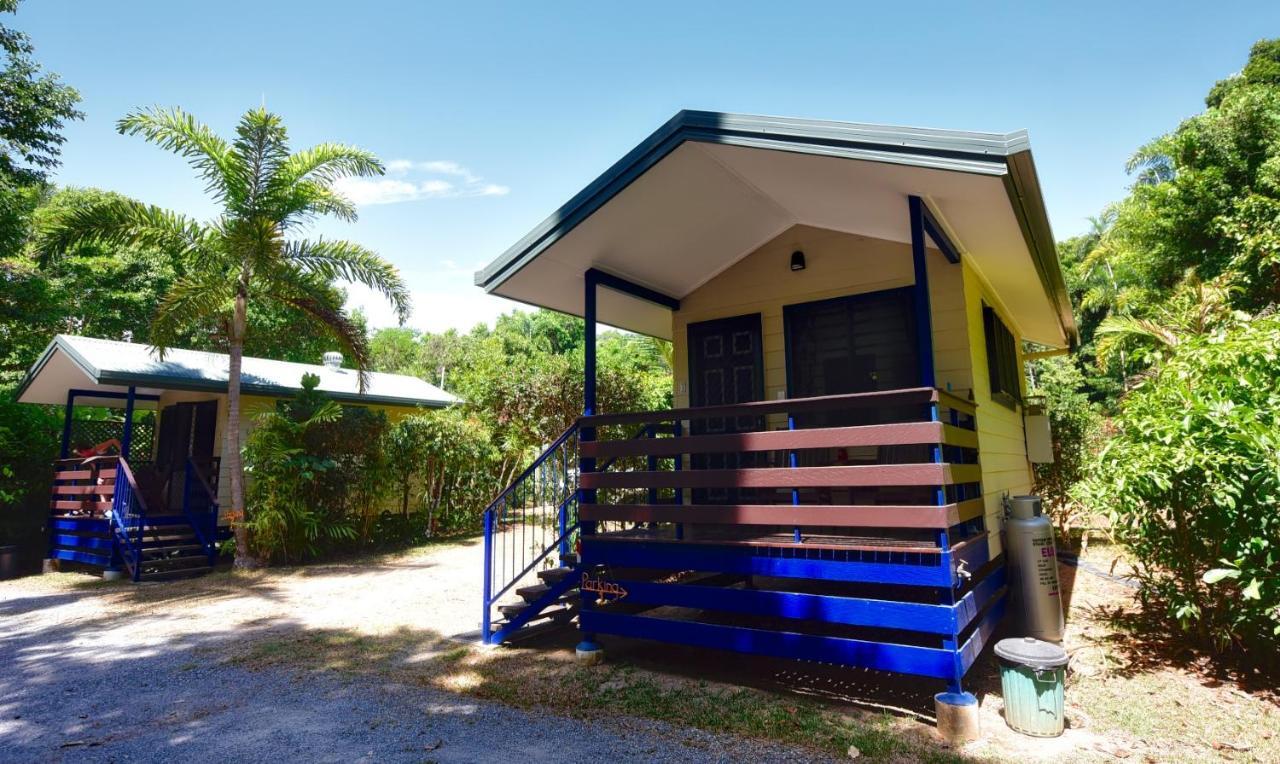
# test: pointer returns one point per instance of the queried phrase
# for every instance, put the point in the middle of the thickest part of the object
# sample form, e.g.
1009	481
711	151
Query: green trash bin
1033	677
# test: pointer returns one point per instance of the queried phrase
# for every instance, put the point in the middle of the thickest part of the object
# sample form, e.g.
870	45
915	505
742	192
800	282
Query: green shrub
1191	483
1075	423
317	476
446	470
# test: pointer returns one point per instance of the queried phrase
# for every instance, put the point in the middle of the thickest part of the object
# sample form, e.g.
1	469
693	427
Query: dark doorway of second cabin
187	430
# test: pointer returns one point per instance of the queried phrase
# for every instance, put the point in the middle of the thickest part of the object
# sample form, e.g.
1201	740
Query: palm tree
245	254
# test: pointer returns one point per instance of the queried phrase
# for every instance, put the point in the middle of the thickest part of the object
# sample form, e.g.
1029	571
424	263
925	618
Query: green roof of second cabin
91	364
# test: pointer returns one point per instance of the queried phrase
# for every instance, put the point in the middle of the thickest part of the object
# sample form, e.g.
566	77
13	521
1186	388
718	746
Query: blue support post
924	325
66	424
587	464
485	622
127	440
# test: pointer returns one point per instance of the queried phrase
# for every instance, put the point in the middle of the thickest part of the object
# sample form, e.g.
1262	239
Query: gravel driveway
121	672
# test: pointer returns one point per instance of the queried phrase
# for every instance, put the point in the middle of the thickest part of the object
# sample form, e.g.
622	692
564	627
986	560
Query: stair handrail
565	528
128	513
193	479
565	504
515	482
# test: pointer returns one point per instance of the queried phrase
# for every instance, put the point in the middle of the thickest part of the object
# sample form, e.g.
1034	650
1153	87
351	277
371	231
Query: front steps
169	547
542	607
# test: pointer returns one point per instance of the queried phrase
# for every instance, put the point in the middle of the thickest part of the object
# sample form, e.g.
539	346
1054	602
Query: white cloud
434	310
408	181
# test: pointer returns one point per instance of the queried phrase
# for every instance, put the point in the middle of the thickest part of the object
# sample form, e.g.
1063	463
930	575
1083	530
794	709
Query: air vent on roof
333	360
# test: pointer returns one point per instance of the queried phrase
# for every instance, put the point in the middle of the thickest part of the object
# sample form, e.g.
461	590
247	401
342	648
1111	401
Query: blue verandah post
952	641
66	424
924	327
127	440
587	464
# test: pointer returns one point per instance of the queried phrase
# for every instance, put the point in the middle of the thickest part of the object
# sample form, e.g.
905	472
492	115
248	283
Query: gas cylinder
1033	570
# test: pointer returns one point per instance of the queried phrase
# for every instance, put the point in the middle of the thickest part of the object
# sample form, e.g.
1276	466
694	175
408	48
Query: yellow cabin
849	306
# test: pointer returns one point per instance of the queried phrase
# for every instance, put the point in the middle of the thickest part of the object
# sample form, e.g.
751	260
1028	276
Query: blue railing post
793	462
677	431
485	622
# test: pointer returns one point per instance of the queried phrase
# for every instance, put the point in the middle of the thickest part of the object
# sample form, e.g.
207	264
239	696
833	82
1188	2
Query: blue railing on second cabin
128	518
200	503
535	515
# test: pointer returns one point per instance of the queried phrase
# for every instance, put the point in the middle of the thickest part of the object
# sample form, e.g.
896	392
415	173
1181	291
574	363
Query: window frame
1003	368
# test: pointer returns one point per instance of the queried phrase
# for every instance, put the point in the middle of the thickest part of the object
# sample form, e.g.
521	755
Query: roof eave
160	381
1022	183
982	153
1004	154
57	343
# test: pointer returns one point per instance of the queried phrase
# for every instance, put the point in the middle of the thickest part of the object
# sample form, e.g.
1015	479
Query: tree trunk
235	464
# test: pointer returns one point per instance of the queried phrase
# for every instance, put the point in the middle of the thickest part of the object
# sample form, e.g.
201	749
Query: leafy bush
29	437
316	476
447	468
1191	483
325	478
1075	423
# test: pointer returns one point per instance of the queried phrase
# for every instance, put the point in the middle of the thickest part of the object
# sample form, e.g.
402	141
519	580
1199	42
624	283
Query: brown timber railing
900	459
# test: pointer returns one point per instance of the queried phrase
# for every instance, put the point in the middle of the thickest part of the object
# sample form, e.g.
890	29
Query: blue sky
492	115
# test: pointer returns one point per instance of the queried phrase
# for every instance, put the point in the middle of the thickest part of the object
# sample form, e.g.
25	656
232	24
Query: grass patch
552	681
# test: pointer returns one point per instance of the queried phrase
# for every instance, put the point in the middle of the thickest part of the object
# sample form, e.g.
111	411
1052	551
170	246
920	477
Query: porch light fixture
797	260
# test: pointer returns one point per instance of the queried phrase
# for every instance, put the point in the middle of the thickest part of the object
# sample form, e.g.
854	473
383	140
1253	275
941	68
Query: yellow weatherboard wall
837	264
1002	448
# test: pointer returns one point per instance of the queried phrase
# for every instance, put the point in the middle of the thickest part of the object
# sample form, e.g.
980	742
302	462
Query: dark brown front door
726	366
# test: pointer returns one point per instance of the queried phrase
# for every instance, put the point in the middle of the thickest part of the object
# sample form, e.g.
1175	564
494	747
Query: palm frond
1152	163
327	162
337	259
1139	328
306	199
296	288
177	131
122	222
190	300
261	147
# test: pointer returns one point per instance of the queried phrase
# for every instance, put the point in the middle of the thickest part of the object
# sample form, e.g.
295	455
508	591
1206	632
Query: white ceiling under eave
705	206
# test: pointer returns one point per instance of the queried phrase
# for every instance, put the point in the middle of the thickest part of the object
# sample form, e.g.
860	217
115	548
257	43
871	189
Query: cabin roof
708	188
87	363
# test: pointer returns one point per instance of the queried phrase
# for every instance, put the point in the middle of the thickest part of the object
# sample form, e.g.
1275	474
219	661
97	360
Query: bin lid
1032	653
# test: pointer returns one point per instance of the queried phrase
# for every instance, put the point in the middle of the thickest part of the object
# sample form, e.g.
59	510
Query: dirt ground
409	620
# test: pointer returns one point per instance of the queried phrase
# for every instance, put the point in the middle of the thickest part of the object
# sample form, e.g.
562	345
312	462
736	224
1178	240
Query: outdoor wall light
797	260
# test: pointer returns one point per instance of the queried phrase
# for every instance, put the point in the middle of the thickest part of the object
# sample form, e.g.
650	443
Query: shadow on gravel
279	691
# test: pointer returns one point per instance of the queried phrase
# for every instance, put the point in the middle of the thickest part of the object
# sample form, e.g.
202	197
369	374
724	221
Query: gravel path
119	673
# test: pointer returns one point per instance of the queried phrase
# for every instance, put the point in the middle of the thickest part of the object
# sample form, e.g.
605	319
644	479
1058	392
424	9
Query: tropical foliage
328	479
523	377
1076	425
1190	481
1176	287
